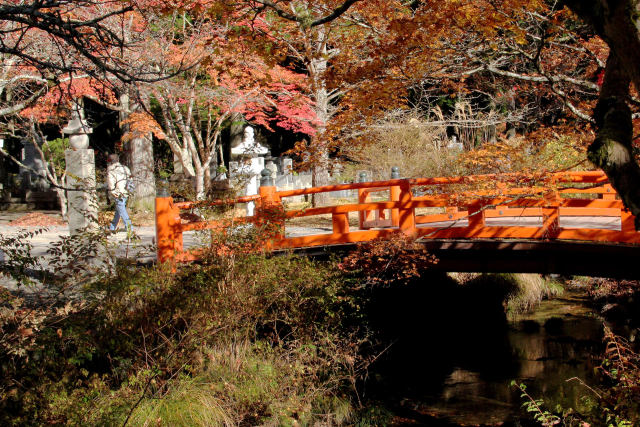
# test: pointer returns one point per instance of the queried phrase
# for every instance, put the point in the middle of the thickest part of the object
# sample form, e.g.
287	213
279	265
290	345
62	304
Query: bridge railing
571	205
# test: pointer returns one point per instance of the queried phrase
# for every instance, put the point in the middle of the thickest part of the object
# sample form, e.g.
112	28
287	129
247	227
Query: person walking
119	182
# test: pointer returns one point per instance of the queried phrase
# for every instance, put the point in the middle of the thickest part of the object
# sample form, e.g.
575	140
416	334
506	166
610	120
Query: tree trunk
62	198
140	160
618	23
320	170
320	177
611	150
200	187
142	168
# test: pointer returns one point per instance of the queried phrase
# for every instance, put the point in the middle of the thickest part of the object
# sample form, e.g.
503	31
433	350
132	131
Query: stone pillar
271	166
249	147
82	199
257	166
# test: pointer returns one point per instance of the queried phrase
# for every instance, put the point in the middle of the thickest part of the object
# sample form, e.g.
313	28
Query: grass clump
529	290
186	404
519	292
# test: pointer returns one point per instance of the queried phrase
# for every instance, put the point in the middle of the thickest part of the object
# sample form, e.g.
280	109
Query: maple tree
318	37
546	61
226	78
47	50
90	31
361	59
41	77
54	53
426	42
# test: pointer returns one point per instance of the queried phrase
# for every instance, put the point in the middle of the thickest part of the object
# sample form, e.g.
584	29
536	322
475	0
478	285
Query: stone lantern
78	130
81	174
252	149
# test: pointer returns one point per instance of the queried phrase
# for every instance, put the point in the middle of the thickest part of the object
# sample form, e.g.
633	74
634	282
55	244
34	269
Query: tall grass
521	292
406	142
529	291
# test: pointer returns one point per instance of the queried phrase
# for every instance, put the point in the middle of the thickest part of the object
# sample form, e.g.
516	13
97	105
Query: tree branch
334	14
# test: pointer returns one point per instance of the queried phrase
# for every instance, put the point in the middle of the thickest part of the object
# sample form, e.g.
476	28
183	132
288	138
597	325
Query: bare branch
336	13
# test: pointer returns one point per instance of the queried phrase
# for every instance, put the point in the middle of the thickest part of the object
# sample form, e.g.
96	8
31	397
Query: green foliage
536	407
374	416
54	153
186	404
621	366
528	291
560	154
519	292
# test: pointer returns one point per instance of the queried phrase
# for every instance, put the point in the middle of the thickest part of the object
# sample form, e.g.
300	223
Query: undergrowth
239	339
615	402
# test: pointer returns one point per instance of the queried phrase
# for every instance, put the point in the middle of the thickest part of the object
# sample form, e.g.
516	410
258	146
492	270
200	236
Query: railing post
168	239
270	209
340	223
475	213
395	196
627	221
550	216
610	193
406	212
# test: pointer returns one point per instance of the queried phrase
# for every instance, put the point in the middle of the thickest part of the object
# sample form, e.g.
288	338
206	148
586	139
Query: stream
453	354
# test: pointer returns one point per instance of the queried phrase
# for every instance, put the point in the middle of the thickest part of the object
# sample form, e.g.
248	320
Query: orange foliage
141	124
385	261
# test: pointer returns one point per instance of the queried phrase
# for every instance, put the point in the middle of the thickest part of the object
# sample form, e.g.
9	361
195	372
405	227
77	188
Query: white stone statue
250	147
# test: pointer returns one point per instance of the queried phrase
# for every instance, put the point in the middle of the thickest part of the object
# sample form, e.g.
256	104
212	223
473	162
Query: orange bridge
570	222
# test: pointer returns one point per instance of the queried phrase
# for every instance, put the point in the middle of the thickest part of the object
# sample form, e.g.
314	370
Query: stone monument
81	175
271	166
251	149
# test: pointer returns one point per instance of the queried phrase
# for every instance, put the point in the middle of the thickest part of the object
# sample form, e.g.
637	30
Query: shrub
239	337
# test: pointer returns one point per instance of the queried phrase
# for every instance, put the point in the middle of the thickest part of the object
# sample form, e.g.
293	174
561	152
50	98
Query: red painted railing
565	206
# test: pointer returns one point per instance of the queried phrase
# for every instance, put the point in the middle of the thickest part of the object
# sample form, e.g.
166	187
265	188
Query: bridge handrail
565	177
472	206
219	202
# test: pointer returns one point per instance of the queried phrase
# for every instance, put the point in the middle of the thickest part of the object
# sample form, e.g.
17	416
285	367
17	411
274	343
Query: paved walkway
142	247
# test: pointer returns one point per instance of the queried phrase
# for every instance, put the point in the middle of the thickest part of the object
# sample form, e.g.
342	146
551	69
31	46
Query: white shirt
117	176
